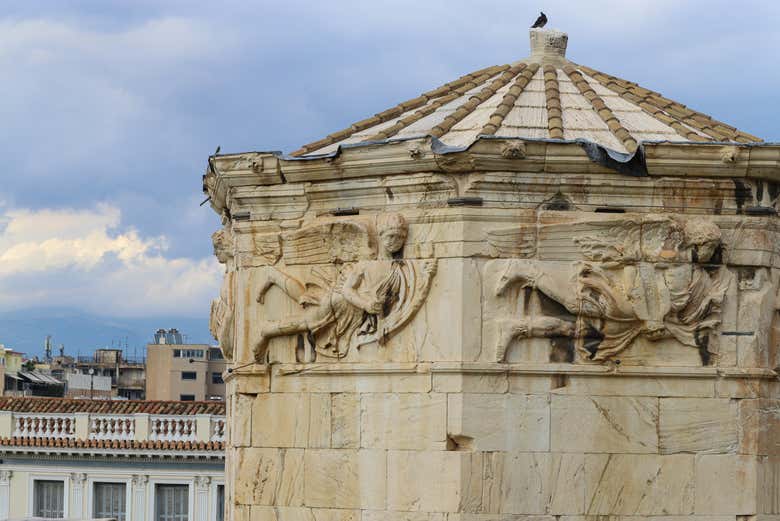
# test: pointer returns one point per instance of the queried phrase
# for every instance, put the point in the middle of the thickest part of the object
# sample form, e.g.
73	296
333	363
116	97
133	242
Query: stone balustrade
172	428
56	426
111	427
217	428
129	427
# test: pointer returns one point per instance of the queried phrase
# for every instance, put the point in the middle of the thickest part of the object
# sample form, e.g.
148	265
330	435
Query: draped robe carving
656	278
368	301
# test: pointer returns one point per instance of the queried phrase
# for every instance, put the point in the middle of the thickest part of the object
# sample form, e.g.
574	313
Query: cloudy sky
109	110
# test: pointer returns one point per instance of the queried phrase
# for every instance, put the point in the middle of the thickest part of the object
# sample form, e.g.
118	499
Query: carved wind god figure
369	300
222	318
656	278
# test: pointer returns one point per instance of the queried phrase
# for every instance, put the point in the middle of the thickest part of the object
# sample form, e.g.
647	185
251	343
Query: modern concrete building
78	385
123	460
127	376
184	372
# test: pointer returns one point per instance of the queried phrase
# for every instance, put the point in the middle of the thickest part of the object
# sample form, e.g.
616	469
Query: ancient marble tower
537	293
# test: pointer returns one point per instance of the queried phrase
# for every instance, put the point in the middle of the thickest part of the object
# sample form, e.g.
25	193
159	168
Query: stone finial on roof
548	45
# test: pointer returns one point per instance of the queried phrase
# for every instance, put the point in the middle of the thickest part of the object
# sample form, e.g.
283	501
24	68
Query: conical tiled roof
543	96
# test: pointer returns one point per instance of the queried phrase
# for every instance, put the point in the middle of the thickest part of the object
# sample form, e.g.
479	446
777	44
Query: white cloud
87	100
85	258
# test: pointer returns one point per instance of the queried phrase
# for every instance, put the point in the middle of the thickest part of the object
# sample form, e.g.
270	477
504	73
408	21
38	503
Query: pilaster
202	490
139	495
5	493
77	482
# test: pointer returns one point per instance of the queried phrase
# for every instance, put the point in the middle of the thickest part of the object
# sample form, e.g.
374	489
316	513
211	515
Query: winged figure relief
327	243
652	277
222	316
373	296
519	241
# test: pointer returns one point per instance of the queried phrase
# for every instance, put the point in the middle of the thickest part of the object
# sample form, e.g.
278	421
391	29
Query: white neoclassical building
124	460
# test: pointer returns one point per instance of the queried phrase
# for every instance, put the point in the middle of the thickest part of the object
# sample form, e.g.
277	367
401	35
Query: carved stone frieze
223	309
373	293
653	277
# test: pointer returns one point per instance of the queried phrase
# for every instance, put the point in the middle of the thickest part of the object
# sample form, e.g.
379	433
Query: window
109	501
187	397
220	502
171	503
188	353
216	378
189	375
215	354
49	499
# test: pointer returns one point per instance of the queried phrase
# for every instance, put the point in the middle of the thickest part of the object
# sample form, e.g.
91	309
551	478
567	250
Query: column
5	493
139	497
202	498
77	481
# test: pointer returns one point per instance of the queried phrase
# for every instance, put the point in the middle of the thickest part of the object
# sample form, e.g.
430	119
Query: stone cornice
487	368
428	156
147	455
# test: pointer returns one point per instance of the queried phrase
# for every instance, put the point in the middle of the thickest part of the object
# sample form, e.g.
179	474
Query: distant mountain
81	333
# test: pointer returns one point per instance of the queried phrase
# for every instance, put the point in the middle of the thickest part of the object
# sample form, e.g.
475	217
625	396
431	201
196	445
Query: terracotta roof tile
498	115
428	109
673	121
553	96
69	405
462	84
655	104
112	444
601	108
477	99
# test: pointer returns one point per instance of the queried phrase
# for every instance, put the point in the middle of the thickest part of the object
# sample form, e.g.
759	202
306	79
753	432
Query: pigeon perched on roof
540	22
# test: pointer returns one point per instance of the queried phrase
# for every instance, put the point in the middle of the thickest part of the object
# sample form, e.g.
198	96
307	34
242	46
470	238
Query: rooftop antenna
47	349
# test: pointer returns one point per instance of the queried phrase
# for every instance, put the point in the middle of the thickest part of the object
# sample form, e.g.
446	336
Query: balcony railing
110	427
129	427
55	426
217	428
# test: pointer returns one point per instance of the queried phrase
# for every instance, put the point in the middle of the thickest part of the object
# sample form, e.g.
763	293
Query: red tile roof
69	405
111	444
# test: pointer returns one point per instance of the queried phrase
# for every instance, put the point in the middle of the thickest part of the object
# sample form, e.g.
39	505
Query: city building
127	376
177	371
2	369
79	385
125	460
13	361
27	378
33	383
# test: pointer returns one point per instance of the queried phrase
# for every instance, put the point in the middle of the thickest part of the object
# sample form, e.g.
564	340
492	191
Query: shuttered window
110	501
171	503
220	502
49	499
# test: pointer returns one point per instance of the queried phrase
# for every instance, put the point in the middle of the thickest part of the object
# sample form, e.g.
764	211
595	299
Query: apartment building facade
124	460
186	372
